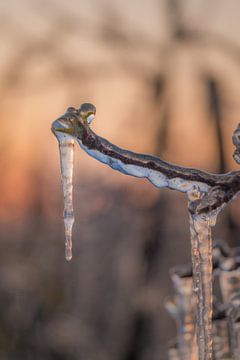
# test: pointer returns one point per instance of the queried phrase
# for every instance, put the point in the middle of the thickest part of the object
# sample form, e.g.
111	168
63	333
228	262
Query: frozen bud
87	112
90	118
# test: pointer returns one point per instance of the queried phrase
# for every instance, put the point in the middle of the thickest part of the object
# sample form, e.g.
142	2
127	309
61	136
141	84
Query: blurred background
165	78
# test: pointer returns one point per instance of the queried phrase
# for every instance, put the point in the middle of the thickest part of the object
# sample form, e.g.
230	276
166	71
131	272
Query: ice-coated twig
214	192
218	189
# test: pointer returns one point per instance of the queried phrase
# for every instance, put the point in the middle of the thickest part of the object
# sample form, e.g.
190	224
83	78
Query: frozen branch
217	189
208	194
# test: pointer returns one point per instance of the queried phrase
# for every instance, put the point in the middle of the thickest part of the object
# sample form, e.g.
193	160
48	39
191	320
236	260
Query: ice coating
66	148
155	177
202	284
208	194
201	241
201	247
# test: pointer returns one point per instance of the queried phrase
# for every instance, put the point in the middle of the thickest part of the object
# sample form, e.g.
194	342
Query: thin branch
218	189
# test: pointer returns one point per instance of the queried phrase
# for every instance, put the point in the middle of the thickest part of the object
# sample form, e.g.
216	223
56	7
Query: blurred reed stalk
233	313
221	349
185	310
226	308
173	351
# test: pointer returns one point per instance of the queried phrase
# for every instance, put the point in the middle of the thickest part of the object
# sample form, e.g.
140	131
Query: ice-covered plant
207	195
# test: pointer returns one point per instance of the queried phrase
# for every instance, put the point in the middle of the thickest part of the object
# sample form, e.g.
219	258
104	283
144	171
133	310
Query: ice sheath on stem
202	282
201	247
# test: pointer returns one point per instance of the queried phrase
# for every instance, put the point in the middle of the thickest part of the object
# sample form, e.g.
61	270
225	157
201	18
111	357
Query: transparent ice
155	177
200	228
201	241
201	244
202	197
66	148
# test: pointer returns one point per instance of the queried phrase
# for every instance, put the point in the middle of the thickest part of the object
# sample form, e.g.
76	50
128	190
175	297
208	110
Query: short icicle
201	243
66	148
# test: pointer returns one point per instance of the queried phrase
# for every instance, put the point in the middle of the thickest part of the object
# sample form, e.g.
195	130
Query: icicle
202	284
66	148
201	243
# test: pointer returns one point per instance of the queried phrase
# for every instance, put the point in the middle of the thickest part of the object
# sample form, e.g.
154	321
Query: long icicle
201	242
66	148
